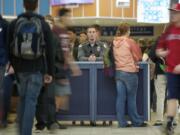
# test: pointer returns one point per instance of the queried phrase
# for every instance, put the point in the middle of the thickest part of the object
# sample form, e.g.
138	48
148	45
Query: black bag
109	65
28	38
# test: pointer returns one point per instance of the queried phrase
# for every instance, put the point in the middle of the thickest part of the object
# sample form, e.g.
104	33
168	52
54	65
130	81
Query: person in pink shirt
126	54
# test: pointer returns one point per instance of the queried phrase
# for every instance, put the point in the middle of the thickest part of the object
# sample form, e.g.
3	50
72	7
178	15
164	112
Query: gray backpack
28	38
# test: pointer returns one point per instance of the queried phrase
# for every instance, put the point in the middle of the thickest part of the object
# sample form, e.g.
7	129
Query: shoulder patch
105	45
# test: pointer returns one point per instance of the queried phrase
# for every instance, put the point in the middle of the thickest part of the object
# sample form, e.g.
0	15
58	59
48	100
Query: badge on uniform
98	48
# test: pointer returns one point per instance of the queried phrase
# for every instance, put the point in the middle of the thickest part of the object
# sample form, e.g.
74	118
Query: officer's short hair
97	27
30	4
91	26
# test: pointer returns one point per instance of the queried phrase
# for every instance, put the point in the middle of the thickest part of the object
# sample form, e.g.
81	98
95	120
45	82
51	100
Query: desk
94	95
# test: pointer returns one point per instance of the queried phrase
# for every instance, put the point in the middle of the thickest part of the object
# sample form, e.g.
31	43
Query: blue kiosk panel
94	95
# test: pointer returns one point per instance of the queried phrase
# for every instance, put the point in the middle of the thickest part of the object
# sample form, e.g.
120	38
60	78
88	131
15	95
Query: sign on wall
153	11
122	3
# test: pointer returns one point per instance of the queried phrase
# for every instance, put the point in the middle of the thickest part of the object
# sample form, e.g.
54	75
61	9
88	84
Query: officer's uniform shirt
87	49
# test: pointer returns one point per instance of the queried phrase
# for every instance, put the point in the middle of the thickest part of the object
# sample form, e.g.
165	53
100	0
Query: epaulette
83	44
99	42
104	44
86	43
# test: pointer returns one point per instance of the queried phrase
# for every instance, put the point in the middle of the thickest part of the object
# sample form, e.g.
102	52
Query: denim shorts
173	86
60	90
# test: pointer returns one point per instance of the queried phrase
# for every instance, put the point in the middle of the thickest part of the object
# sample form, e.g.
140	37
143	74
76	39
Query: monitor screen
63	2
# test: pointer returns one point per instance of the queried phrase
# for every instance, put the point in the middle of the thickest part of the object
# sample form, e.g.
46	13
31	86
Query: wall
101	12
102	8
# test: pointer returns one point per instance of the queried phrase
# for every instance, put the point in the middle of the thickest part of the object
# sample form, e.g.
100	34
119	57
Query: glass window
19	7
8	7
44	7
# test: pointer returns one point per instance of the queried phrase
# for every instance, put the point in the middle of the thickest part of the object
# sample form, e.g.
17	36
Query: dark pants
152	96
173	86
2	70
46	108
7	86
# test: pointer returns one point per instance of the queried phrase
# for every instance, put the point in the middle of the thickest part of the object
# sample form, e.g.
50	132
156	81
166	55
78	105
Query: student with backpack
3	59
31	55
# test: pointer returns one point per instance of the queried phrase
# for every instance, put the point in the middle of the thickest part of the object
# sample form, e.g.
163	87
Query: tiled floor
98	130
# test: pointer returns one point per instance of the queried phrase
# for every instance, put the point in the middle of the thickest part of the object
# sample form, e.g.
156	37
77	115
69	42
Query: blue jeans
2	70
127	85
29	88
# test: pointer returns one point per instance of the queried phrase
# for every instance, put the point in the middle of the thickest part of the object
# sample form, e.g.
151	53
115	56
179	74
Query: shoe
169	130
61	126
3	124
53	128
142	125
158	123
110	123
40	126
82	123
74	122
38	130
126	126
93	123
104	123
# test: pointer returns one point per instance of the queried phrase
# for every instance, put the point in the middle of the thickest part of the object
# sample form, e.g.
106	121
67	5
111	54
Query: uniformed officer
92	50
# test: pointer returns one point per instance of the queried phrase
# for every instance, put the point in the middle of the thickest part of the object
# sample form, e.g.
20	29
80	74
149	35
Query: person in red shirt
169	48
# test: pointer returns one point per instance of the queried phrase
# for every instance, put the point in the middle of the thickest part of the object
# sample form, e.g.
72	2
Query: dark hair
91	26
123	28
30	4
63	12
97	27
71	29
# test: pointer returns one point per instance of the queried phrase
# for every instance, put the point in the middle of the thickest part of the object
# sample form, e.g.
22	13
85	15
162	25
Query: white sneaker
37	131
